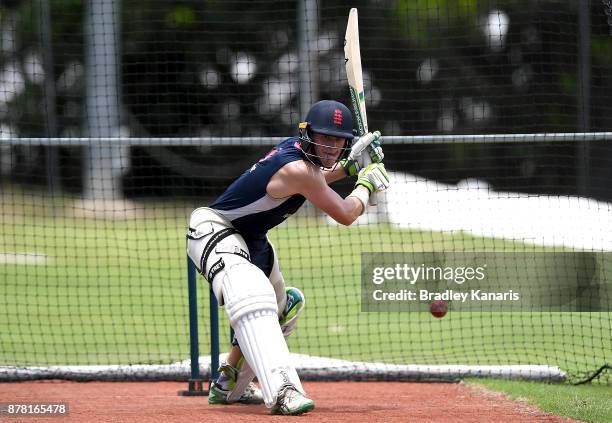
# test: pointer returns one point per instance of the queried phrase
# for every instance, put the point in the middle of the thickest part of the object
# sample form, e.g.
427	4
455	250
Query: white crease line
24	258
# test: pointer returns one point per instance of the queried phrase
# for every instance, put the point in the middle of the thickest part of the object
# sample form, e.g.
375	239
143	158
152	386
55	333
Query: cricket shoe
218	395
221	388
291	402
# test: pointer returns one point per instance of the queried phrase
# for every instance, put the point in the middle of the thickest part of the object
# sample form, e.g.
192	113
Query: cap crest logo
338	117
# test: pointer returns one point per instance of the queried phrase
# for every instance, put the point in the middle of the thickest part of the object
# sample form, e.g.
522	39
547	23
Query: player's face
328	148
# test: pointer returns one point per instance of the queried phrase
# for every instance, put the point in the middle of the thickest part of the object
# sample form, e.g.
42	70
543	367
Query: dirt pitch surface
370	402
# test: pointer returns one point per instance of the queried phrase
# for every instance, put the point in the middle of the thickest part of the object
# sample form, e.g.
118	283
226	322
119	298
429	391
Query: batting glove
375	150
374	177
355	163
351	166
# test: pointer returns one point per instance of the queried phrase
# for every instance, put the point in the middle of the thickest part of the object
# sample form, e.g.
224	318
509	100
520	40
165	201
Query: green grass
114	291
590	403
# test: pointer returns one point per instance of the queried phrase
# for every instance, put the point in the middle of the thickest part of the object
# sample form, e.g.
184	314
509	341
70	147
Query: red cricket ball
439	308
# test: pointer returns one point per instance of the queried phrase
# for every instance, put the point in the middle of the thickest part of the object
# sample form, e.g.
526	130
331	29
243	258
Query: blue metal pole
193	320
214	335
195	381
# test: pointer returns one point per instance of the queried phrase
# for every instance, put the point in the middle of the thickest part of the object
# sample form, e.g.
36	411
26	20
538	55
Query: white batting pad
250	304
264	347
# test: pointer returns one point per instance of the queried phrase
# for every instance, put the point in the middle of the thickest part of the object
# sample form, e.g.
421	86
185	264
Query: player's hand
356	162
374	177
351	166
374	148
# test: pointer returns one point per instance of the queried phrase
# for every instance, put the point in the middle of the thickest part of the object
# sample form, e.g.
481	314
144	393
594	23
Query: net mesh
92	248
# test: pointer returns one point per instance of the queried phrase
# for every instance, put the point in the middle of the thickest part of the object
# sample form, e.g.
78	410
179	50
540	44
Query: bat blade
354	74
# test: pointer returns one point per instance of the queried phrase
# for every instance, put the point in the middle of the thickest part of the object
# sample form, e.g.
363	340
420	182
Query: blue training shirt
252	211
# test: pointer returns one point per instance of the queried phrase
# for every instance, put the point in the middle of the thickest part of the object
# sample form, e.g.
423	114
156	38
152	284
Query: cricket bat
352	59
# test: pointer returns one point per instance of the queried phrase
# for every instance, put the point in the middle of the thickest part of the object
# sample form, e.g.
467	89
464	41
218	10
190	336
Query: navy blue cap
329	117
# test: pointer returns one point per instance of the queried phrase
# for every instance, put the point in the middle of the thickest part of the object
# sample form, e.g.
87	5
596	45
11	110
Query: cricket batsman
228	243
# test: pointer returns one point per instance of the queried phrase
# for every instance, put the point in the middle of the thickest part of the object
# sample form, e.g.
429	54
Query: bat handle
359	148
373	201
374	196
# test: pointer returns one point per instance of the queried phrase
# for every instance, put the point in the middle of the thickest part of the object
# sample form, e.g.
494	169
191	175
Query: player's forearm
357	208
355	205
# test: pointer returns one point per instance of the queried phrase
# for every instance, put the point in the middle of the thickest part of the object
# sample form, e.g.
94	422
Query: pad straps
212	242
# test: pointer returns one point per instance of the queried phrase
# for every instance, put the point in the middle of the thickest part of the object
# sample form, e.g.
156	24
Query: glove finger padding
374	177
375	150
376	153
380	179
